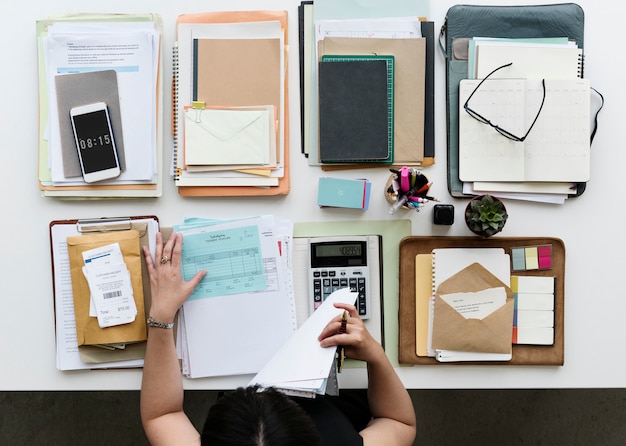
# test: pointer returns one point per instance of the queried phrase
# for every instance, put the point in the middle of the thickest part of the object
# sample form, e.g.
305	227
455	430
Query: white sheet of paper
476	305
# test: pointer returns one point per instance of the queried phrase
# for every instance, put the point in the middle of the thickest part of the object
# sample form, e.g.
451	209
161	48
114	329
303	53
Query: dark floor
445	417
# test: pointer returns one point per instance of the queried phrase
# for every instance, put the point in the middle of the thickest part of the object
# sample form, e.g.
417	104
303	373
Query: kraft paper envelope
451	331
225	137
87	329
409	89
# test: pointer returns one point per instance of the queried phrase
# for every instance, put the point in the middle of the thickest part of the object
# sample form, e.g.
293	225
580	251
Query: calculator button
361	299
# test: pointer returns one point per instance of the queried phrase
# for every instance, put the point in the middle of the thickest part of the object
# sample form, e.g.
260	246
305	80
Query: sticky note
544	254
518	259
531	257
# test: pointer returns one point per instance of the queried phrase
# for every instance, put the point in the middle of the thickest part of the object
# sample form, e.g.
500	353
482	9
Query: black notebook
356	109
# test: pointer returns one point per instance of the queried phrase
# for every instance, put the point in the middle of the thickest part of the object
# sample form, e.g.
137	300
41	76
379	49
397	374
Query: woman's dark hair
254	417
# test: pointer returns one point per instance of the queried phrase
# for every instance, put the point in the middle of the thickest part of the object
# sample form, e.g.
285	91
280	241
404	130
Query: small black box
443	214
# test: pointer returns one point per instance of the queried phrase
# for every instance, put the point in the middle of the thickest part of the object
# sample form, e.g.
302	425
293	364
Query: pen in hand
340	350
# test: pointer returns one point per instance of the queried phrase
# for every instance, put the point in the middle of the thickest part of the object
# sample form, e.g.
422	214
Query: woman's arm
161	403
390	404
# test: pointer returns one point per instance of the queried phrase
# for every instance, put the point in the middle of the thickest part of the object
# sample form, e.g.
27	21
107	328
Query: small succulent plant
485	215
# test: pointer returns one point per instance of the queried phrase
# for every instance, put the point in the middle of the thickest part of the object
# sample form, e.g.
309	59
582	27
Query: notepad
556	149
356	109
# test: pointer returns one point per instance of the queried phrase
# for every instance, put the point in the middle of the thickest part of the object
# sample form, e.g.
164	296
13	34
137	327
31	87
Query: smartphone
95	142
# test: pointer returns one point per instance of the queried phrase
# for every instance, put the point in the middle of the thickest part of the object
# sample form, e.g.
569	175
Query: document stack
101	291
541	105
76	70
367	84
230	107
247	293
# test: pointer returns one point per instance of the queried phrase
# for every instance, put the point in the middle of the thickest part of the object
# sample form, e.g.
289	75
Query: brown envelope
87	329
451	331
409	81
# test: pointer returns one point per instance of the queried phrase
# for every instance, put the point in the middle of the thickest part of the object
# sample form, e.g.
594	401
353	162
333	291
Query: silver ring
164	260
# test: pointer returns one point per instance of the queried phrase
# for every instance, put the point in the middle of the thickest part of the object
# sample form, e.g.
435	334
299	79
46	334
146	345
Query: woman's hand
357	341
169	289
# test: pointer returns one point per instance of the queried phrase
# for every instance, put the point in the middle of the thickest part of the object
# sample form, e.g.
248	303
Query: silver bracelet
158	324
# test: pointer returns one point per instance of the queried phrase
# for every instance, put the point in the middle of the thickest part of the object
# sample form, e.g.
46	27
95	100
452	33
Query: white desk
591	225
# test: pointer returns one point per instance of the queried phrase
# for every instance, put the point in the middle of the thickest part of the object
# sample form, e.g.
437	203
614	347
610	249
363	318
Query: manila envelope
227	137
451	331
87	329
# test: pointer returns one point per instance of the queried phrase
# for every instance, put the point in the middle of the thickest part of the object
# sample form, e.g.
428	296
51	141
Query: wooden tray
522	354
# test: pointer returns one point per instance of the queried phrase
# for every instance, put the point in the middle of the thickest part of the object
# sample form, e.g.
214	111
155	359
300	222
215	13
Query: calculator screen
327	254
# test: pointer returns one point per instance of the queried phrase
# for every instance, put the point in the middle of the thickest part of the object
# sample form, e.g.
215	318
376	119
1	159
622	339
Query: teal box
343	193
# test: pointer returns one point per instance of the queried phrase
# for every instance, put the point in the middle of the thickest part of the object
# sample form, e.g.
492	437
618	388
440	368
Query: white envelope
220	136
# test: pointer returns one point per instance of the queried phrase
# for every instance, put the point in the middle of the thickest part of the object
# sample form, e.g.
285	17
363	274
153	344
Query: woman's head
253	417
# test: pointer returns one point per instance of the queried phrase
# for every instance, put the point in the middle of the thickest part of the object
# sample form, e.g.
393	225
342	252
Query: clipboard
92	356
411	246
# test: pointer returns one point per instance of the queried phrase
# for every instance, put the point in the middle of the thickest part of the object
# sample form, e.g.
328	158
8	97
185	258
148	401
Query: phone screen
95	141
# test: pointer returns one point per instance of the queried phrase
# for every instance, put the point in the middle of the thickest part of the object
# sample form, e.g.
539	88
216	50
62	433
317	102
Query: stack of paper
75	68
230	104
367	84
243	311
555	156
80	341
301	367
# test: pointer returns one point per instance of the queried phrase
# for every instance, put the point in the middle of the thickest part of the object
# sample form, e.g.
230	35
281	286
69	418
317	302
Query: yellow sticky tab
198	105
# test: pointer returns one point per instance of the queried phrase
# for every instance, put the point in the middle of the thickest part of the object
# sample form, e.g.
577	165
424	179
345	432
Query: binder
71	355
356	102
464	22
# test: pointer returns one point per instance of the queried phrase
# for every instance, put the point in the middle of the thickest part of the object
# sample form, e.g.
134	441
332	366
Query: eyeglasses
480	118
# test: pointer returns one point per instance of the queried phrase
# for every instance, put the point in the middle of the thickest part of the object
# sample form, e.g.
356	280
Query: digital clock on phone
95	143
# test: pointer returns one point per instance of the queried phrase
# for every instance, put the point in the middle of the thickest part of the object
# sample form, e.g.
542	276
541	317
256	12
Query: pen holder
409	194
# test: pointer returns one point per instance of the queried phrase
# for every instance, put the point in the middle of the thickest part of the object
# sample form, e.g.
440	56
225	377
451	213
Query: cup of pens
407	188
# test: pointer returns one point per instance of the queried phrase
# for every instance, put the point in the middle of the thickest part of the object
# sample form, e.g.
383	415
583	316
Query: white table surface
590	225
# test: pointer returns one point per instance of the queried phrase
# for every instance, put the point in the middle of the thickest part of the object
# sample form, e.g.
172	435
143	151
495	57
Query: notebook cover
354	111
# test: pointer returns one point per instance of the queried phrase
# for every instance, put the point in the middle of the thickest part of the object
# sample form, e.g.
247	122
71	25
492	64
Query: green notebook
356	109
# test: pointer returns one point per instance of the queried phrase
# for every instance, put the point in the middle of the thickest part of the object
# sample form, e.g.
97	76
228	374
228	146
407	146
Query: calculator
342	262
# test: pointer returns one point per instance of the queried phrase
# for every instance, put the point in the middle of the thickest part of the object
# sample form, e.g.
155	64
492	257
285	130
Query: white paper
476	305
302	359
257	323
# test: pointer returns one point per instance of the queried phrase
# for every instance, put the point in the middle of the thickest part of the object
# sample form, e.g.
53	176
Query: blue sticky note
343	193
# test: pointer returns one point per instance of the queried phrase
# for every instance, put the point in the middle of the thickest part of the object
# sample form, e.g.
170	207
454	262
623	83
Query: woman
269	418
